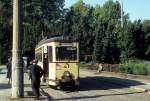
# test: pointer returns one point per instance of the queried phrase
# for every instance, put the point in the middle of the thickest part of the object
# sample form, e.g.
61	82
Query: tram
59	58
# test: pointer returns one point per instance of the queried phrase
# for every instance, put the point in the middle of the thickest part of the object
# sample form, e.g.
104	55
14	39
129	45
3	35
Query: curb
141	89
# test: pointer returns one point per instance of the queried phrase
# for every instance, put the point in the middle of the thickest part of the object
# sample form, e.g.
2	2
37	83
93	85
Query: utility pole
122	14
17	67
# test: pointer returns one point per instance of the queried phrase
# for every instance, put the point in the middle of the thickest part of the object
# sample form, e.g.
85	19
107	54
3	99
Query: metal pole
122	14
17	68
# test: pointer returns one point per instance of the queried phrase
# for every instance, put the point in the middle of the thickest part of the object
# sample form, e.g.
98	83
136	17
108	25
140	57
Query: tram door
45	63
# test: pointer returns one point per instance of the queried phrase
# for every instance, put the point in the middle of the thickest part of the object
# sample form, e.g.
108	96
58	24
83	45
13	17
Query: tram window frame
74	58
39	56
50	53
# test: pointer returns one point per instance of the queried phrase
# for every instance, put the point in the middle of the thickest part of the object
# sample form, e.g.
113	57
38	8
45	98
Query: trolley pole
17	67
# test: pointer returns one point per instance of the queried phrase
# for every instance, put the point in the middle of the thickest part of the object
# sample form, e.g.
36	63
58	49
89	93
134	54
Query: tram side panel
52	74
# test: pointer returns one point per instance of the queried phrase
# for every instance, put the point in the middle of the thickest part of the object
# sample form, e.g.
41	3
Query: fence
104	67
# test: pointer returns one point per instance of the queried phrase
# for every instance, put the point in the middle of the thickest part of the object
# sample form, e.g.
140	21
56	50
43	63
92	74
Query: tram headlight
67	73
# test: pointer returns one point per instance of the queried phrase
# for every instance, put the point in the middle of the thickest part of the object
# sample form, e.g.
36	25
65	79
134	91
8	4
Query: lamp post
17	67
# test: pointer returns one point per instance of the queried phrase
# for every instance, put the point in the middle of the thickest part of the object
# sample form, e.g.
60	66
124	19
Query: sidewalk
5	89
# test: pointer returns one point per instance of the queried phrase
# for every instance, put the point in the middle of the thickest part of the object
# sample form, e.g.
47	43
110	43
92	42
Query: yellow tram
59	58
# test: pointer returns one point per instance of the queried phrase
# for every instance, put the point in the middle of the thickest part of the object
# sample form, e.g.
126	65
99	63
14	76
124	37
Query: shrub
136	67
148	69
139	69
126	68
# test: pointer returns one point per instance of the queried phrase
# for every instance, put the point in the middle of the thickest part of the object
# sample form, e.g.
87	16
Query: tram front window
66	53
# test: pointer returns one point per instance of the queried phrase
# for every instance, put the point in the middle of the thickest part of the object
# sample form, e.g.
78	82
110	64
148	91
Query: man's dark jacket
36	73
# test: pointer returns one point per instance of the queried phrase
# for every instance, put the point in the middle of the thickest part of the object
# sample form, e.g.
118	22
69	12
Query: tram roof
57	39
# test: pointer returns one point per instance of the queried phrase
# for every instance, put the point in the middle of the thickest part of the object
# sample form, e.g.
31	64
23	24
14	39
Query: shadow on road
4	86
29	94
104	83
49	98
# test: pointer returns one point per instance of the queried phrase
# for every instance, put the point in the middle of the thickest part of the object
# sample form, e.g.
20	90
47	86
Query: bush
148	69
126	68
136	67
139	69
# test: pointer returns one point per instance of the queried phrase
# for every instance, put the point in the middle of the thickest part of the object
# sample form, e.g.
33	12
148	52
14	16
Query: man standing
36	74
9	70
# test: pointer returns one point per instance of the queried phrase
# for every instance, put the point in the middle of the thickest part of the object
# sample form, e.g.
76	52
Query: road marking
141	89
137	88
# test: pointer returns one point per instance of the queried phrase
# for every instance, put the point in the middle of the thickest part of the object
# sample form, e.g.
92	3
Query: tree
5	30
40	19
97	55
107	49
146	31
139	38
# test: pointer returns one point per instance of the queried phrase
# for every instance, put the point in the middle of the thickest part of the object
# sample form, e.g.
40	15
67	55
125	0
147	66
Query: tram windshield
64	53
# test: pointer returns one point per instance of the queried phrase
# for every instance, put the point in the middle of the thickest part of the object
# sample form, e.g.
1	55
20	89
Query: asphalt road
96	87
93	87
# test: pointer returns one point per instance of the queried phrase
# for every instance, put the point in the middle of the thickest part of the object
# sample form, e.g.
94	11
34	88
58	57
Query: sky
137	9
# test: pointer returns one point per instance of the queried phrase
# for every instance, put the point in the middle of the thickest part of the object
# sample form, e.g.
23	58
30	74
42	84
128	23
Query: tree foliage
98	29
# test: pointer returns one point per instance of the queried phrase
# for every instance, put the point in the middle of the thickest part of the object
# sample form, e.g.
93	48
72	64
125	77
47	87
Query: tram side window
50	55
